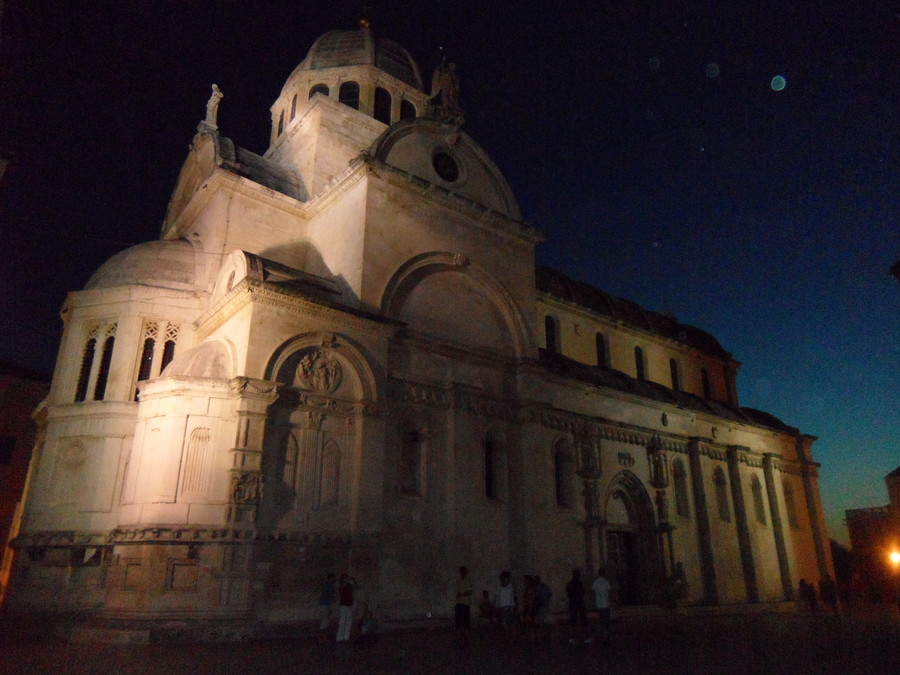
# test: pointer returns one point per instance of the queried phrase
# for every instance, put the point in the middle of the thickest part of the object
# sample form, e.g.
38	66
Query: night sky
647	139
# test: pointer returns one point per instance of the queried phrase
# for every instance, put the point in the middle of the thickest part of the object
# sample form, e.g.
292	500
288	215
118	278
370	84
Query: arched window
168	351
679	478
146	361
564	474
602	356
348	94
759	507
790	504
103	372
494	467
382	105
87	363
639	364
281	122
151	365
550	336
411	462
294	106
704	377
407	110
722	495
319	89
676	378
331	474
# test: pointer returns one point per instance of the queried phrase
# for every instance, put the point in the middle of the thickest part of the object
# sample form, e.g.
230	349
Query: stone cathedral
340	356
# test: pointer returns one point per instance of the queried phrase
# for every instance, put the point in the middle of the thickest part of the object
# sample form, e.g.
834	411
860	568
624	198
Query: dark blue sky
643	137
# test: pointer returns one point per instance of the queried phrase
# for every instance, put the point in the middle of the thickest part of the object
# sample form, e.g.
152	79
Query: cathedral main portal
631	548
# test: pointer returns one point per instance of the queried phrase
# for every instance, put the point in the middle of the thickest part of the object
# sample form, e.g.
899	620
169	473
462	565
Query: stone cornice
534	367
179	534
433	395
93	409
55	538
480	214
250	291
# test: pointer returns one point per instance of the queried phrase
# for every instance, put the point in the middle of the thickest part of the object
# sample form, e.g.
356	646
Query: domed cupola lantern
373	75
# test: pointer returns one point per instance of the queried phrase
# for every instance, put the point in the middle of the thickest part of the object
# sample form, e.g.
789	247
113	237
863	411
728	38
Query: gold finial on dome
364	13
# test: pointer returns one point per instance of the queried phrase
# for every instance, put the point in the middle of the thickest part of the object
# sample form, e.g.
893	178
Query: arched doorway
630	545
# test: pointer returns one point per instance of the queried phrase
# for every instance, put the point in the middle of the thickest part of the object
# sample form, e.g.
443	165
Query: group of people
343	591
528	616
532	616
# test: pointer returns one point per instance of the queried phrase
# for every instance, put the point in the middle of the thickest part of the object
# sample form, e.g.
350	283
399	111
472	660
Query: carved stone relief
319	371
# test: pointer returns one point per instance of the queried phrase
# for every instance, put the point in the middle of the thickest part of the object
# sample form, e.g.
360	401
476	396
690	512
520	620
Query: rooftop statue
212	107
443	104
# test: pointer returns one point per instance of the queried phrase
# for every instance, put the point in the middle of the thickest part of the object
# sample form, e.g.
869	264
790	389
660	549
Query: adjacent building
341	356
874	536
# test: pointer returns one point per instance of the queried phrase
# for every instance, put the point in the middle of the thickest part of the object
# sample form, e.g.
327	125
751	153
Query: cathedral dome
168	264
340	48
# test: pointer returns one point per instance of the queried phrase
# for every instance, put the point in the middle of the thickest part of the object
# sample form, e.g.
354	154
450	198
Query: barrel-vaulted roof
556	284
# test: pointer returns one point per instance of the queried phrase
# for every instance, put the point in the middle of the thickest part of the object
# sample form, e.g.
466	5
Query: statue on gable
212	107
443	102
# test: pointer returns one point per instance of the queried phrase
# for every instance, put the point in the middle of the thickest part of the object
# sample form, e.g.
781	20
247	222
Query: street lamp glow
895	558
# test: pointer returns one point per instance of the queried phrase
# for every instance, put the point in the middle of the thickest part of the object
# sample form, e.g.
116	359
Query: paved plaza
864	642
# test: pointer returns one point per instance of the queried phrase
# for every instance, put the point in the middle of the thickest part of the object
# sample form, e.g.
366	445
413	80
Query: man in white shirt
602	589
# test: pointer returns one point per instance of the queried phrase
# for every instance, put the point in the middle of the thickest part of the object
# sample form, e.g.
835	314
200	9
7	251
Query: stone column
740	518
254	397
589	472
659	479
769	466
704	542
809	472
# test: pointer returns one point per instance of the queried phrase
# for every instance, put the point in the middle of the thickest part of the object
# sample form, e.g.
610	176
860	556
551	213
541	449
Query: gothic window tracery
157	350
93	369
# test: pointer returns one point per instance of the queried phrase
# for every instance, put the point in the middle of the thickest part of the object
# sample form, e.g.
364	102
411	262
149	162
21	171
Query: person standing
602	588
462	609
505	602
326	600
543	597
577	605
345	601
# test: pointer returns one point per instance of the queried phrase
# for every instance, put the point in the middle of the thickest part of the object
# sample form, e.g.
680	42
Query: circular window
445	166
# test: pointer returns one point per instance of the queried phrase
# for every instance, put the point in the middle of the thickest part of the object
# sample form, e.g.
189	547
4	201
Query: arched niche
429	291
